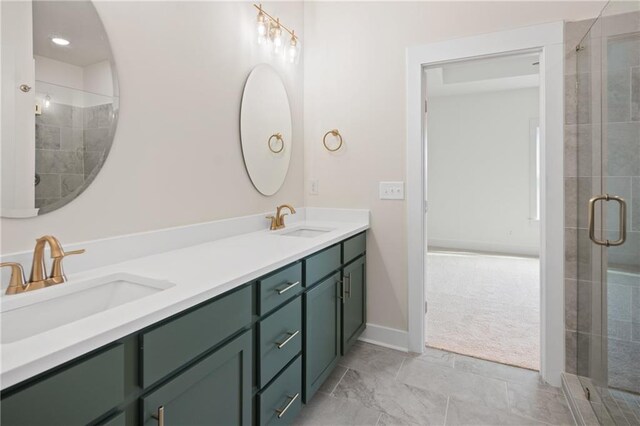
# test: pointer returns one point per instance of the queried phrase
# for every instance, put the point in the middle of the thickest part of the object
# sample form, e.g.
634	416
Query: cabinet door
215	391
321	333
354	316
76	395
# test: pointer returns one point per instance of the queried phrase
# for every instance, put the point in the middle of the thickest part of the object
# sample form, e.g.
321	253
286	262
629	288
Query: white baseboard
385	336
485	246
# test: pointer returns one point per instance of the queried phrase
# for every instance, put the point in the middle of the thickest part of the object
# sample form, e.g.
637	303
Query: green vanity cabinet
75	395
172	344
354	302
281	401
319	265
250	356
280	340
354	247
120	419
215	391
321	337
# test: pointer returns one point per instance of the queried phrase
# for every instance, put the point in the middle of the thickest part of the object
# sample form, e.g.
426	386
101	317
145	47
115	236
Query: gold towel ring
335	133
278	137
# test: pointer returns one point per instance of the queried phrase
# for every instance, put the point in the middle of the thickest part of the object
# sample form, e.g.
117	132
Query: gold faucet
277	221
38	278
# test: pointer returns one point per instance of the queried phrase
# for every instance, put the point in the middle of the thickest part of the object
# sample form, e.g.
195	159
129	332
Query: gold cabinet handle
622	227
281	345
287	288
159	416
281	412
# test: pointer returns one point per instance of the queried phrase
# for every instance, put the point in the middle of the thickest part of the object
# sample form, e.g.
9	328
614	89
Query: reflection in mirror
61	106
265	129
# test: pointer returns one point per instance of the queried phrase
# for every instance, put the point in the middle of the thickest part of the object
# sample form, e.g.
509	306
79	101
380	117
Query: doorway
483	221
547	39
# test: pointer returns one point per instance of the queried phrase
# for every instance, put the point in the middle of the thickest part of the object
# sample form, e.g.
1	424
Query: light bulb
47	101
261	26
275	35
292	49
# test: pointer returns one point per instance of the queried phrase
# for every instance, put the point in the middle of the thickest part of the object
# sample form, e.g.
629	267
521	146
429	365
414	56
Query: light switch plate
392	190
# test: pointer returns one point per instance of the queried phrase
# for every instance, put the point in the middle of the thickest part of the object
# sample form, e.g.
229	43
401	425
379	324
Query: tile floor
484	305
379	386
622	407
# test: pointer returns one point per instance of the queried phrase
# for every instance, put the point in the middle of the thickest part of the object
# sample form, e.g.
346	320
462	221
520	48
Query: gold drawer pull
288	287
160	416
280	345
281	412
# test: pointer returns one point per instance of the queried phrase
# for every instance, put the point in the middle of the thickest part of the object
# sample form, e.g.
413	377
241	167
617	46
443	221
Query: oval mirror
61	106
265	129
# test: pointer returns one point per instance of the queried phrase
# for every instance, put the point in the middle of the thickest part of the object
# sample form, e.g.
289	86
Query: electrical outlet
313	187
392	190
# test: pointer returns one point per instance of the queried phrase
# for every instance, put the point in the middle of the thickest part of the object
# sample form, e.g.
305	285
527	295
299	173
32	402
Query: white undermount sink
27	314
305	232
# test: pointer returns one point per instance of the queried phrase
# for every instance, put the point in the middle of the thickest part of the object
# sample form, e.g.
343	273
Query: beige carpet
484	306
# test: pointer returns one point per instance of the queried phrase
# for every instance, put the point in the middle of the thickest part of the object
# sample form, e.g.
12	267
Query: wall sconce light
270	33
47	101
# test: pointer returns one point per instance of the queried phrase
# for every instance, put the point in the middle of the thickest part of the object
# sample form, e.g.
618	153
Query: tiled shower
602	156
71	142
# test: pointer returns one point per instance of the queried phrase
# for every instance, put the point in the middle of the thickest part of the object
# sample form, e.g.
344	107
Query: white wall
176	156
17	135
478	175
59	73
355	81
97	78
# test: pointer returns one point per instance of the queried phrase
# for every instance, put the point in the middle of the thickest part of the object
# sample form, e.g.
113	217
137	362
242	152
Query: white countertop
199	272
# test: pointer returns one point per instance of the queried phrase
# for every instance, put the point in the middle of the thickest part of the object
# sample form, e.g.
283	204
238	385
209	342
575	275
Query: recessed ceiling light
60	41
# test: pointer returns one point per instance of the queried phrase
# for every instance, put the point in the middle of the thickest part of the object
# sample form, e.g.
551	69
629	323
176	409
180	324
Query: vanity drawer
353	247
74	396
279	287
175	343
321	264
280	336
282	397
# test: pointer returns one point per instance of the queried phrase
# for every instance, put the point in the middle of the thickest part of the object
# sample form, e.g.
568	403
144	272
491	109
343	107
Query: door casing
548	40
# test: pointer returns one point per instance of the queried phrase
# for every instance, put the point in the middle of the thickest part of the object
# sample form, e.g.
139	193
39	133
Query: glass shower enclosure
608	196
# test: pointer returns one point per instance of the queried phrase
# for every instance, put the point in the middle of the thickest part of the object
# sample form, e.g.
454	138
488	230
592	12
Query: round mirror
265	129
61	108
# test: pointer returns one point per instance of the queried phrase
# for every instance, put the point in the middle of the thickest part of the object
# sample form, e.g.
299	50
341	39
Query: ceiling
484	75
76	21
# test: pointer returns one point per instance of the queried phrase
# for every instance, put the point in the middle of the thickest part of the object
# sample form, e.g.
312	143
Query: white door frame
548	39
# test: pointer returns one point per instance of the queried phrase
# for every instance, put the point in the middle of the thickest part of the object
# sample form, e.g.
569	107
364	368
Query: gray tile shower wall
71	143
577	171
602	154
621	168
97	137
59	146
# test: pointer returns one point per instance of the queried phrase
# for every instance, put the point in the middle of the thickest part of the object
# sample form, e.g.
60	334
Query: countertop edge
29	368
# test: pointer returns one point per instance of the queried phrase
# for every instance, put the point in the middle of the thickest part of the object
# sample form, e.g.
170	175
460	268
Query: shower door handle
622	227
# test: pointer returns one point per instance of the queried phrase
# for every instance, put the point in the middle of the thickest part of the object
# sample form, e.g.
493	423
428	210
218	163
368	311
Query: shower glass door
608	117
